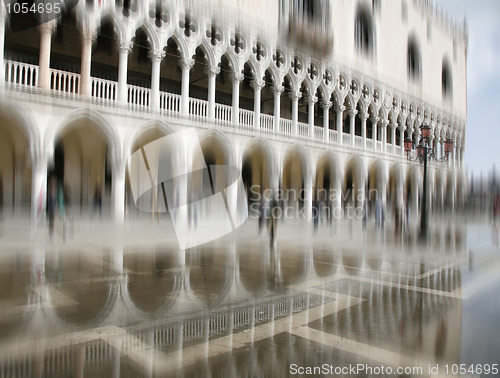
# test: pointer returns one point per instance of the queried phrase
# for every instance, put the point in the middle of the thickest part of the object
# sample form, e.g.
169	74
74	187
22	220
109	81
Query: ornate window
413	60
307	22
446	82
363	32
127	6
157	13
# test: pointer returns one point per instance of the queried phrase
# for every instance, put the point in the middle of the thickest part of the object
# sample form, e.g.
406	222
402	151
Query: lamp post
424	154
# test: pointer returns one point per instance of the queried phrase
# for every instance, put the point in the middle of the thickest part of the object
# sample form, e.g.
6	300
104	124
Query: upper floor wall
402	44
406	44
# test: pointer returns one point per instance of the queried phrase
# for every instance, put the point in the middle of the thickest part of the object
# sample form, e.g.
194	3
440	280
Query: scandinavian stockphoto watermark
326	203
382	370
205	202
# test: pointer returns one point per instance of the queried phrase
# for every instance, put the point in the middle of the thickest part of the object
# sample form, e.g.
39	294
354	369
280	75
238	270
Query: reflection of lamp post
425	153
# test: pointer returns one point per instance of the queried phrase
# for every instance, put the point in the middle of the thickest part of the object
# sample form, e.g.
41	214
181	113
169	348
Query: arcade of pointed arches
265	167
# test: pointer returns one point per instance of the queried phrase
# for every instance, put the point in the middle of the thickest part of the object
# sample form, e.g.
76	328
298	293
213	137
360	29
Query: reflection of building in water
298	95
405	308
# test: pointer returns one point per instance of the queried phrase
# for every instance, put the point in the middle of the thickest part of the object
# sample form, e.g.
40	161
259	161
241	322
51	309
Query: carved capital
212	70
257	84
186	63
326	104
278	89
311	100
352	112
295	95
48	27
363	116
340	108
125	46
88	36
156	55
237	77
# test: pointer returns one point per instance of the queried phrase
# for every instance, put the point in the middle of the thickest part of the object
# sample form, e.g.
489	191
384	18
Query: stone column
352	118
295	96
46	31
186	64
374	132
363	116
124	49
402	139
326	105
237	79
393	125
257	85
340	127
118	189
156	56
383	130
277	89
85	84
310	113
212	72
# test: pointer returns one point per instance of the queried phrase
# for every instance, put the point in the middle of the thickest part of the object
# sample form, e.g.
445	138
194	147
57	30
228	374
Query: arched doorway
82	168
15	165
376	195
257	173
353	189
294	180
326	187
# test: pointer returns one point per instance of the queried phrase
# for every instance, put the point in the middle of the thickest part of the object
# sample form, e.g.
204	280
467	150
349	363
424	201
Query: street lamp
425	153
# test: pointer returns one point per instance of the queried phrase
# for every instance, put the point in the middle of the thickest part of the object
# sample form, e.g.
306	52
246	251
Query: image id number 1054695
480	369
33	7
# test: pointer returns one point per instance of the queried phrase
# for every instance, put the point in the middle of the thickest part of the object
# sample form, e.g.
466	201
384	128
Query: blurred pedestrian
97	203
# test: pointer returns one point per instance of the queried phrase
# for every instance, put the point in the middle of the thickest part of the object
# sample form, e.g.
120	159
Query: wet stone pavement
239	307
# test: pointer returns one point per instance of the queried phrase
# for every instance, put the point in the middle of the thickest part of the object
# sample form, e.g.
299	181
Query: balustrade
223	112
332	135
21	73
266	122
138	95
246	118
170	102
63	81
198	108
103	89
318	133
303	129
28	75
358	141
286	126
